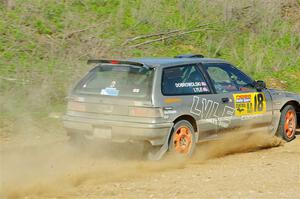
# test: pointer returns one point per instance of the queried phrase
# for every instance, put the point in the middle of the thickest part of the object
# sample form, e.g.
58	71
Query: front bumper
117	131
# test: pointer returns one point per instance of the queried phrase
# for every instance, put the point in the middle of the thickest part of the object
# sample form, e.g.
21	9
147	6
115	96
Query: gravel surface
248	167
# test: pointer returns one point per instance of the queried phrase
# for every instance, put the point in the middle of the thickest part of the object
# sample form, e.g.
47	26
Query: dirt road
256	166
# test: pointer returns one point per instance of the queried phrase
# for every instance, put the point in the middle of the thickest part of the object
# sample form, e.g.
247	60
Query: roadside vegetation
44	44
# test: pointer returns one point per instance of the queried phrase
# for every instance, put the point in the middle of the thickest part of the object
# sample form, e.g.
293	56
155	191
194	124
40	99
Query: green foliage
42	27
44	44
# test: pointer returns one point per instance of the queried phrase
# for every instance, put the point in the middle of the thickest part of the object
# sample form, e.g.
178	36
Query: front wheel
287	124
183	139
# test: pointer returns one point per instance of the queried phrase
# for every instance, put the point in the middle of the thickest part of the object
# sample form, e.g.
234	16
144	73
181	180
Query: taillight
145	112
76	106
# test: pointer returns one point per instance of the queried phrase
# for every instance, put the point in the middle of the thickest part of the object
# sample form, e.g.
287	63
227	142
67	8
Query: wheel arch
296	105
189	118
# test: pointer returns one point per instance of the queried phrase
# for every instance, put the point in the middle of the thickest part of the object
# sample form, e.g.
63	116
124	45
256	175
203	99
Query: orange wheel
287	123
183	138
290	123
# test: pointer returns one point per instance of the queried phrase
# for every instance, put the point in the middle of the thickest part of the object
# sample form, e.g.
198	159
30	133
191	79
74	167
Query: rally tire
287	123
183	139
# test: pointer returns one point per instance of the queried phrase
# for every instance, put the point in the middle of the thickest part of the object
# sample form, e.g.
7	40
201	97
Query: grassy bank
44	44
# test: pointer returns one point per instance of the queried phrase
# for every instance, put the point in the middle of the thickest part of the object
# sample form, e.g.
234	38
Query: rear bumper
117	131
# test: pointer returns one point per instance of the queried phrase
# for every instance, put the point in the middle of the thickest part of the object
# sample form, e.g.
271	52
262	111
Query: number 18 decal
250	104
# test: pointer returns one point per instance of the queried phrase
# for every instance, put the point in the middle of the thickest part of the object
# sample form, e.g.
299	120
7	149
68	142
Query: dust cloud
55	170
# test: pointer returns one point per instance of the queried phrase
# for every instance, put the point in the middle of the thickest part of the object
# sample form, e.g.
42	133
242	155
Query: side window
183	80
218	75
226	78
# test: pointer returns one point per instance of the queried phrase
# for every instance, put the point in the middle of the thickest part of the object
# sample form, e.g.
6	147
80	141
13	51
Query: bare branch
162	33
168	37
150	35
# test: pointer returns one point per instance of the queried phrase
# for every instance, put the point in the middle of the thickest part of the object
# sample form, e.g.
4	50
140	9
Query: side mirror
260	85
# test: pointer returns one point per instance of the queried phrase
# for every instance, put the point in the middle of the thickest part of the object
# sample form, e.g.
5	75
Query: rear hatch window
117	81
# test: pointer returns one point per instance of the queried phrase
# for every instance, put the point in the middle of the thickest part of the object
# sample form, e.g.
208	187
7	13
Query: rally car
174	103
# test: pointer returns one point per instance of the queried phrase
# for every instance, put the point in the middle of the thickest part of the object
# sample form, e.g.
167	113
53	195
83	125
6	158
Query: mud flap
160	153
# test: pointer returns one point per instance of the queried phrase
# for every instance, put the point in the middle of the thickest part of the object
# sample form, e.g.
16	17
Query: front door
252	109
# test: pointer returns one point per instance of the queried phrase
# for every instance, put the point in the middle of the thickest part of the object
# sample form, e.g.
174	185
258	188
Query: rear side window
117	81
183	80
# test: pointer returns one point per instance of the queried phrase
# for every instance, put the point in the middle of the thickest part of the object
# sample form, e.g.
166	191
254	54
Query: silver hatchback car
173	103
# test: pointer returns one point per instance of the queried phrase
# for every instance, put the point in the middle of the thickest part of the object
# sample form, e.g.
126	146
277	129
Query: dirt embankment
244	166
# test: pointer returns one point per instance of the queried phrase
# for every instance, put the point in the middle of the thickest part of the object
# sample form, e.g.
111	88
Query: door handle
225	100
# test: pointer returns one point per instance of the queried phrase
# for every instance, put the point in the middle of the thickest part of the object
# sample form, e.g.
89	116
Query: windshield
117	80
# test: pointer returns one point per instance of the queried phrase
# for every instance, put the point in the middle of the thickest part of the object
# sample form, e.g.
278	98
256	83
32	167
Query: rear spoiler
108	61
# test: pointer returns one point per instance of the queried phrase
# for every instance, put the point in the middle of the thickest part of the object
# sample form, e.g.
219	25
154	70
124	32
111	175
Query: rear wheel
183	138
288	123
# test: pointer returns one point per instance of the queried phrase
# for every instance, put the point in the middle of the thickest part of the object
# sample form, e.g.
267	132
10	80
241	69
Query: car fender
280	100
165	147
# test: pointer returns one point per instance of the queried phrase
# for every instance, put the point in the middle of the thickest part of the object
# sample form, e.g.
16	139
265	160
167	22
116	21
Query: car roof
164	62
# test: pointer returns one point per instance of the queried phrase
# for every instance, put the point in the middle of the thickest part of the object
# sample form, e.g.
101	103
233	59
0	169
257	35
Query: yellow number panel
250	103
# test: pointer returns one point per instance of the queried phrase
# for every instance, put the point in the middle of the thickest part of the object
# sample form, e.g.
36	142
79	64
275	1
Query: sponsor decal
170	112
172	100
211	112
250	104
198	87
189	84
109	91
